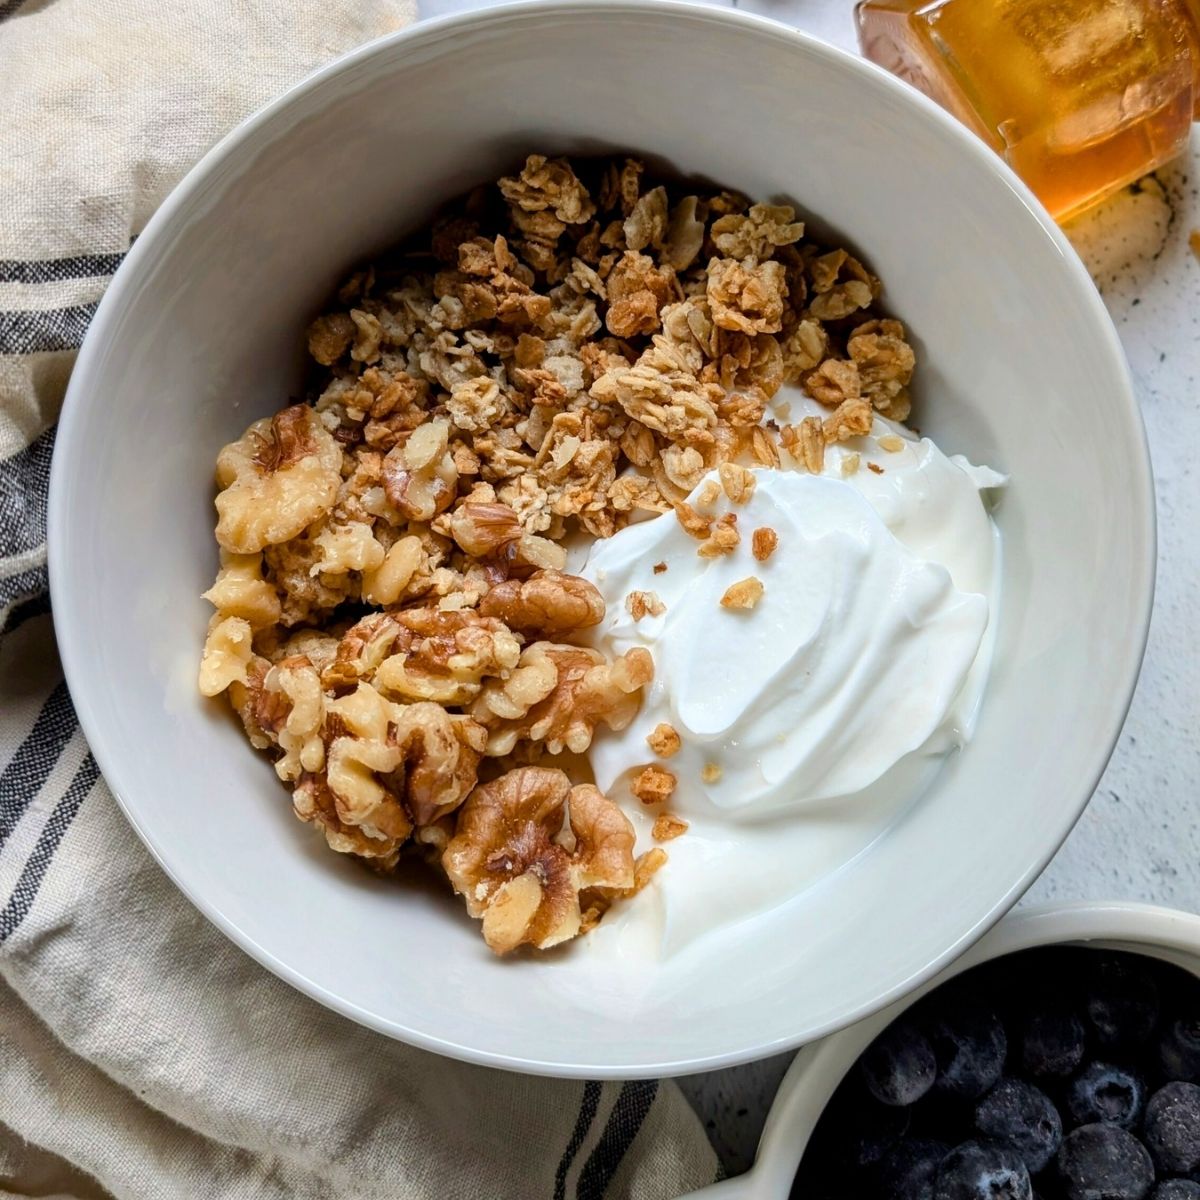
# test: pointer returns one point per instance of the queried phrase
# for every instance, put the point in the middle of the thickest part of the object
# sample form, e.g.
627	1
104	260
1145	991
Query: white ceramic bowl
199	334
817	1070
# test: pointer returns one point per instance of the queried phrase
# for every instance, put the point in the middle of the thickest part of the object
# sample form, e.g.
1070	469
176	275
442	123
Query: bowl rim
90	704
820	1066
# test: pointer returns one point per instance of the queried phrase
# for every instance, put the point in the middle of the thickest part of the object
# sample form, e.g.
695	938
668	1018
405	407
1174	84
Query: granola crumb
806	443
891	443
850	464
1194	242
875	467
744	594
711	773
664	740
763	542
667	827
737	483
646	867
659	568
709	494
724	538
694	523
653	785
644	604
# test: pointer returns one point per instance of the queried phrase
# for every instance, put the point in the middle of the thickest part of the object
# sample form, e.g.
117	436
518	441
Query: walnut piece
241	591
419	476
587	690
509	857
278	478
227	653
548	603
385	583
444	656
399	764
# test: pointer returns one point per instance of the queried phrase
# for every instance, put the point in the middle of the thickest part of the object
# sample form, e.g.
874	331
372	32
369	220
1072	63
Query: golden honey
1081	97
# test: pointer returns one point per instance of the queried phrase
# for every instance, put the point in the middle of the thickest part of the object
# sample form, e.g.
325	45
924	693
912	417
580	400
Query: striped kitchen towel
141	1054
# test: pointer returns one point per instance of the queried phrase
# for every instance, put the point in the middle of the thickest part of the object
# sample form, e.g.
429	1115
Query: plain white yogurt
811	720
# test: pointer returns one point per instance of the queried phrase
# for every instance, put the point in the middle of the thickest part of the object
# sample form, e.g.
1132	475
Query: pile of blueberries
1056	1074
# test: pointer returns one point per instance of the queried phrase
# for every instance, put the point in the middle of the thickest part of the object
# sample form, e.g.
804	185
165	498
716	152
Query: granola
573	348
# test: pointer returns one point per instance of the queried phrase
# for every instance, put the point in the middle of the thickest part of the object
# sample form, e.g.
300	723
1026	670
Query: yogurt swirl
810	721
851	660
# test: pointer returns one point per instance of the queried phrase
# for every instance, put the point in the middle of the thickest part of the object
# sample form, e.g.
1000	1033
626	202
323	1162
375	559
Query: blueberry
970	1047
1179	1049
899	1066
1122	1004
909	1170
983	1171
1176	1189
1172	1128
1104	1162
1104	1093
1052	1044
1021	1116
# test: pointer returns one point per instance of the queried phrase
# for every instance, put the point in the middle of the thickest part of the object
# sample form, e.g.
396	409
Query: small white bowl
200	333
817	1069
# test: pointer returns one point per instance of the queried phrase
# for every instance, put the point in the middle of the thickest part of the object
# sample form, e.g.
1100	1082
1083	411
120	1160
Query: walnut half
547	604
524	847
559	694
278	478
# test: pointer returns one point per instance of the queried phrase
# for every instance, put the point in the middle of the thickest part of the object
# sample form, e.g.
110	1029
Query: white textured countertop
1140	836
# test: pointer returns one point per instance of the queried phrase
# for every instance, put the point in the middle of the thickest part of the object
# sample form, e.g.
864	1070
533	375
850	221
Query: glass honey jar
1080	97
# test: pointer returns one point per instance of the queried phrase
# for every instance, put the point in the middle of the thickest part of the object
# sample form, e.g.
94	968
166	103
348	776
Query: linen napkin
141	1054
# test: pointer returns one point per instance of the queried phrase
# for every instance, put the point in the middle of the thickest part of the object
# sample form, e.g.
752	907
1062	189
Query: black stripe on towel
24	488
623	1124
24	894
54	270
18	614
28	769
23	586
24	332
583	1122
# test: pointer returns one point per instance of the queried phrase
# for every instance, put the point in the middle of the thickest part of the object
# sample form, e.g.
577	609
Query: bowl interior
200	334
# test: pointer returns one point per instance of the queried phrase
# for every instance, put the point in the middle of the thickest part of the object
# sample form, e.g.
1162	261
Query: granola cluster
558	353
